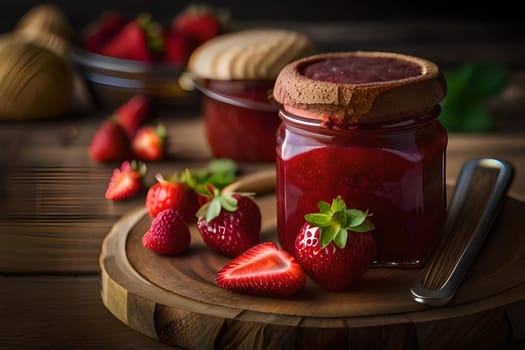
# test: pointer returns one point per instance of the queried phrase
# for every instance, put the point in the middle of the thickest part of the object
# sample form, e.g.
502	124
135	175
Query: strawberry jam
361	70
393	169
240	122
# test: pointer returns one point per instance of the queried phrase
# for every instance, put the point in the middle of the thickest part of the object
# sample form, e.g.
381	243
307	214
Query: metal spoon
474	205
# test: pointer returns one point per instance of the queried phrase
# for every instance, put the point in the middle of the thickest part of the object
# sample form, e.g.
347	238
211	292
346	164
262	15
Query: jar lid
249	54
347	88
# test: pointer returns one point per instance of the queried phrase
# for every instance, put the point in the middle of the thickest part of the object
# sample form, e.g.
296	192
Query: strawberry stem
335	220
219	201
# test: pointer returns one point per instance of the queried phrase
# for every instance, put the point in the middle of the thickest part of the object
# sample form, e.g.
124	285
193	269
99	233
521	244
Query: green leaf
318	219
221	180
328	234
324	207
364	227
486	79
341	238
338	204
468	89
477	118
228	203
222	166
201	213
214	209
355	217
340	218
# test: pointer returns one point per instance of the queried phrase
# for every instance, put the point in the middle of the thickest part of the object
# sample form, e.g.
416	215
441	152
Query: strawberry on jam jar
236	72
364	126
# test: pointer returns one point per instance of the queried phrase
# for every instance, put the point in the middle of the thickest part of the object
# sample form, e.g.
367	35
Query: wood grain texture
62	312
379	310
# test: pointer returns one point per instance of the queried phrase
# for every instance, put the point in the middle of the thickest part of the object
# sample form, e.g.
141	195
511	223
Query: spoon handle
475	203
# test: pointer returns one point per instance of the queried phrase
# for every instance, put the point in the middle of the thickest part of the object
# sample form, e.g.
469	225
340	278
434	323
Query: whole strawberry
149	143
263	270
139	40
335	246
229	224
110	143
126	181
175	195
199	22
98	33
132	114
168	234
177	47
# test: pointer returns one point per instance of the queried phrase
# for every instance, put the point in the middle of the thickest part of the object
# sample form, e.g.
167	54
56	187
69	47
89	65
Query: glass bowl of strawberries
119	56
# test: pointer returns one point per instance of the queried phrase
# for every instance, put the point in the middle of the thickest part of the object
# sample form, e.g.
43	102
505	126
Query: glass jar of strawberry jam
239	120
236	73
364	126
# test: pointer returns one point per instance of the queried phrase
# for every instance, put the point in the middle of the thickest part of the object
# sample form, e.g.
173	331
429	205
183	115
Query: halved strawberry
168	234
335	246
149	143
132	114
126	181
263	270
230	223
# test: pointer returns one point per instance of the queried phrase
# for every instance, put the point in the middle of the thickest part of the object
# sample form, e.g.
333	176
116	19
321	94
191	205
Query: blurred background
481	48
81	12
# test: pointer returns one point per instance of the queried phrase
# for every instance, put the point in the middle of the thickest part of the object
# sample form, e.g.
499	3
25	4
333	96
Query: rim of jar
401	123
271	106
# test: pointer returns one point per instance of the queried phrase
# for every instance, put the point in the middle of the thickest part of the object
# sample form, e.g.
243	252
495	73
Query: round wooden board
174	299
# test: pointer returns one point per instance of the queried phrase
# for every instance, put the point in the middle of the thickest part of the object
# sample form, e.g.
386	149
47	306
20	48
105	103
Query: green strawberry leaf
324	207
335	221
222	166
340	218
228	203
341	238
221	180
327	234
202	210
364	227
357	217
318	219
338	204
214	209
219	173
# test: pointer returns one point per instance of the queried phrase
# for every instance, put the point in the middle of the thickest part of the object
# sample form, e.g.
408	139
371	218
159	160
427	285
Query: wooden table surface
54	218
53	215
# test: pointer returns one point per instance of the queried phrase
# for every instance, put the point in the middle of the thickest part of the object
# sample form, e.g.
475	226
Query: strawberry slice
263	270
126	181
149	143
